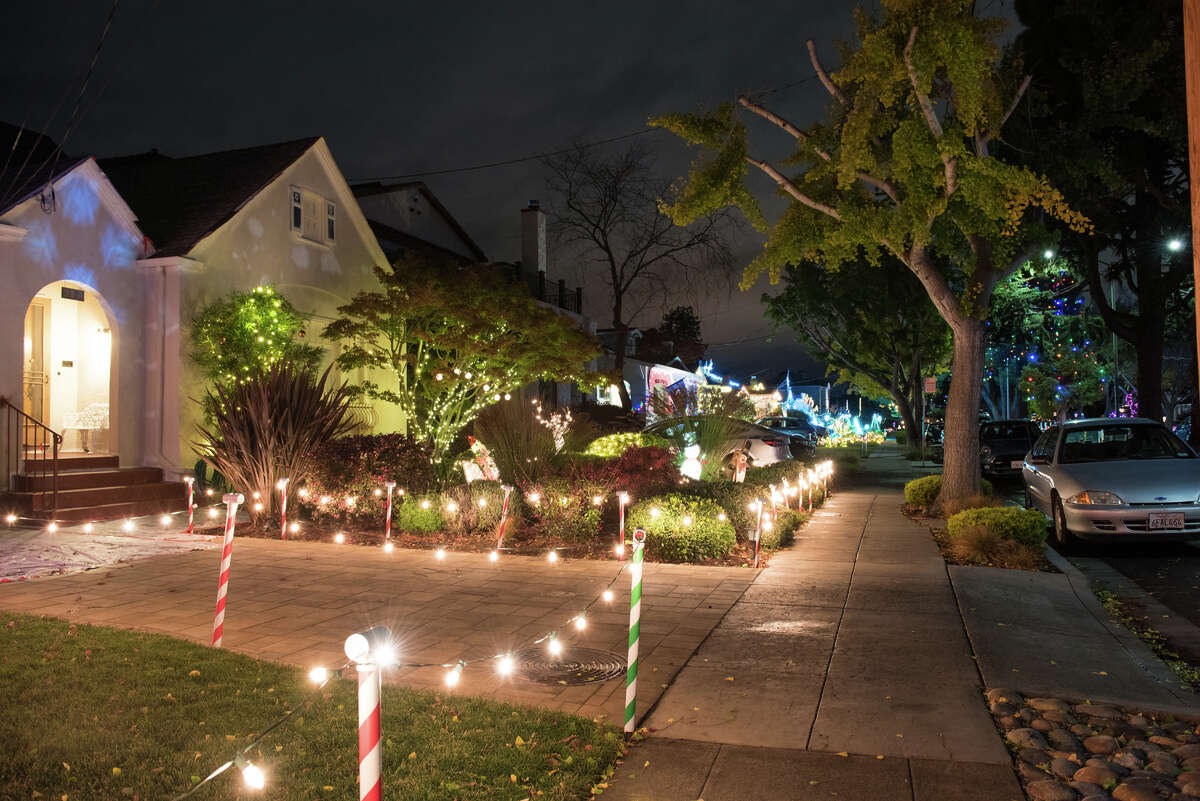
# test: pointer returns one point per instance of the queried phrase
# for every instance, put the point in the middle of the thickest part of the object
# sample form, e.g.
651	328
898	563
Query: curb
1154	668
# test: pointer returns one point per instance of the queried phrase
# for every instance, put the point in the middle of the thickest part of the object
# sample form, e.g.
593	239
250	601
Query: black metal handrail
26	442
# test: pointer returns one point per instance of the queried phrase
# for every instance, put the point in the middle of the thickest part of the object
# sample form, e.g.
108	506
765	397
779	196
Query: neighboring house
106	263
408	218
650	364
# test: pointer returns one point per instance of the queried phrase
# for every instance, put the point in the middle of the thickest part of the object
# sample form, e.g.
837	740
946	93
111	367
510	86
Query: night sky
400	90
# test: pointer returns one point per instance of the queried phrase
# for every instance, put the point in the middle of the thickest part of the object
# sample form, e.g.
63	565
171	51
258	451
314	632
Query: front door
35	369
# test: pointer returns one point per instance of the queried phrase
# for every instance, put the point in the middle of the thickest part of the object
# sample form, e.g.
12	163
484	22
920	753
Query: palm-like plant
712	426
268	427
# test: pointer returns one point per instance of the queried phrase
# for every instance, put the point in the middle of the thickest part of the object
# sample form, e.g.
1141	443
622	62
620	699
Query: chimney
533	241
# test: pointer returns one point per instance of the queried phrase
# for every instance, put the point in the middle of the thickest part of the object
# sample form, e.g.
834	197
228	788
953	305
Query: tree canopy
901	163
454	340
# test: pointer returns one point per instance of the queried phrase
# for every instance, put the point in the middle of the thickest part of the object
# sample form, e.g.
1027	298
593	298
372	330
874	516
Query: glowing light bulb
324	499
258	507
438	377
554	646
127	525
655	512
294	527
607	595
388	547
165	520
10	519
209	492
687	520
552	556
597	500
721	517
255	495
452	507
52	526
318	675
440	553
507	396
581	623
303	493
505	665
253	776
623	498
339	538
1175	245
385	654
351	500
619	548
87	528
424	504
281	484
483	503
453	675
378	492
212	512
768	525
534	498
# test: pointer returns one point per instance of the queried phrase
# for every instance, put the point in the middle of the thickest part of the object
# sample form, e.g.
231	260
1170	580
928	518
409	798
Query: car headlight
1096	498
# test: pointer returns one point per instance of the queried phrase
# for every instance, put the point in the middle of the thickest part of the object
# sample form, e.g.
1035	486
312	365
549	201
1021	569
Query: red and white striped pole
503	516
758	531
370	651
190	481
622	502
387	521
232	501
282	485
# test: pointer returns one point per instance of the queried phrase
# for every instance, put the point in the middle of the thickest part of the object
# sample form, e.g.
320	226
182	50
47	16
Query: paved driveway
296	602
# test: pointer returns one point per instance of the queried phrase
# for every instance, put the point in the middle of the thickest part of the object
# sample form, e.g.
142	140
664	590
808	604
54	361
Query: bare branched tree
608	211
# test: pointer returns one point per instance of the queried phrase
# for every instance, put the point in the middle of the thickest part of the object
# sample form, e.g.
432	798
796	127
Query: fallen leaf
647	764
843	753
512	777
116	771
413	755
729	678
519	742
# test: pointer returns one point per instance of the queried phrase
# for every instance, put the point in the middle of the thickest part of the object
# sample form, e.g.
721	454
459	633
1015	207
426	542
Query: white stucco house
104	263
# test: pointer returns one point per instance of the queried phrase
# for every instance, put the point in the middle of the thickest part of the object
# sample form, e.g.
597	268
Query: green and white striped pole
635	629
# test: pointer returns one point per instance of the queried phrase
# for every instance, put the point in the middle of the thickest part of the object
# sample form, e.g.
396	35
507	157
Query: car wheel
1063	538
1029	500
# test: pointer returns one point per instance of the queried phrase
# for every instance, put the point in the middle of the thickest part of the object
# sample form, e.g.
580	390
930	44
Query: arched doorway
67	365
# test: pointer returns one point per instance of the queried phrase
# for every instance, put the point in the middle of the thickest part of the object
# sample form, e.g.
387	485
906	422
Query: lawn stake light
283	482
503	516
387	521
190	481
369	650
622	502
232	501
635	628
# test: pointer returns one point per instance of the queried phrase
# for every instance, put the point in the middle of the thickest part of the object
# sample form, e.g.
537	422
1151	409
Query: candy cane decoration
283	482
758	531
622	501
503	516
635	628
232	501
190	481
387	521
364	649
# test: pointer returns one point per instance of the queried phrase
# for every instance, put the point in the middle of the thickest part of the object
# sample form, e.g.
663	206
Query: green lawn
88	712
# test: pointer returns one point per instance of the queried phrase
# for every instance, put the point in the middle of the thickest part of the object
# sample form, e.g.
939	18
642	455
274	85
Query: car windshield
1116	442
1016	430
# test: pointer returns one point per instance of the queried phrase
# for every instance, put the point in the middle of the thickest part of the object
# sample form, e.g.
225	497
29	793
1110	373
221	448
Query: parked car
804	435
759	444
1003	445
1111	479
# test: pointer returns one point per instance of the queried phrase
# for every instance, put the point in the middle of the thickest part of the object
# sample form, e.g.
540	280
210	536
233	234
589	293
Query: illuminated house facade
105	264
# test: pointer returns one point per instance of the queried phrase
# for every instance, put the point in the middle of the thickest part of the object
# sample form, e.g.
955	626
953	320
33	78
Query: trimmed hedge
412	516
564	508
923	492
680	528
901	436
613	445
784	531
1024	526
733	498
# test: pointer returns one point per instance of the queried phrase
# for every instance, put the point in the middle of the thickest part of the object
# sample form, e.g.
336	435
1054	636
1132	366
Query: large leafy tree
454	339
902	163
1068	374
1107	121
873	324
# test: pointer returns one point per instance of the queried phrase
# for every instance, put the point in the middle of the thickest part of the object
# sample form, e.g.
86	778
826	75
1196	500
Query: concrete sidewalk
843	672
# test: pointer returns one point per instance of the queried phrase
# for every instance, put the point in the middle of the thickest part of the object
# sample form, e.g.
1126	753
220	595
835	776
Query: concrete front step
72	461
88	479
112	510
27	502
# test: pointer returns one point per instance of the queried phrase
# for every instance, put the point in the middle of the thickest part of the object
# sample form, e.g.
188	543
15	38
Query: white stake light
318	675
505	665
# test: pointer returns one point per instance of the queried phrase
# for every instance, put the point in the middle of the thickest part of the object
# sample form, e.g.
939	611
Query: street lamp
1175	245
1047	254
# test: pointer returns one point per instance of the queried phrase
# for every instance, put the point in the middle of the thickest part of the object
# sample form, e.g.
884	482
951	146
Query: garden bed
93	712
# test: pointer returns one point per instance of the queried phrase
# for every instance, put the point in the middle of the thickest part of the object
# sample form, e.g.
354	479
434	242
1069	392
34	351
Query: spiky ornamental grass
268	427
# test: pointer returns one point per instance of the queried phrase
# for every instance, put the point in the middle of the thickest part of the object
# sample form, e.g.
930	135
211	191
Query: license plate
1016	465
1165	521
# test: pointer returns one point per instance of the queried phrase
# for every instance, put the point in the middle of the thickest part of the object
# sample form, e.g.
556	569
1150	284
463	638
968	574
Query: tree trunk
619	362
960	472
1194	433
908	415
1149	366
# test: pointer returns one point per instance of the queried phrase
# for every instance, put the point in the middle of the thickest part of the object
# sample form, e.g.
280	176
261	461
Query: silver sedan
1110	479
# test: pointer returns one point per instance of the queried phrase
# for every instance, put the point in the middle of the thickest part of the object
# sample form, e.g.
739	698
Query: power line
506	162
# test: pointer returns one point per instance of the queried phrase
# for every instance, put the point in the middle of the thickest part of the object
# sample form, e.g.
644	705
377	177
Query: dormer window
312	216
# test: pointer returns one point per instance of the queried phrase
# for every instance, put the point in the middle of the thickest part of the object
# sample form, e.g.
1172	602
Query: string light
597	500
52	527
258	507
255	495
452	507
212	512
209	492
318	675
607	595
494	556
87	528
425	504
378	492
534	498
303	493
388	547
687	520
10	519
294	527
127	525
505	665
339	538
619	548
440	553
453	675
655	512
580	622
721	516
324	500
554	646
253	776
552	556
483	503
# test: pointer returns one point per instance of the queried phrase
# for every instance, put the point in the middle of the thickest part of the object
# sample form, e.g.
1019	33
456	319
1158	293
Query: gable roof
179	201
29	161
379	188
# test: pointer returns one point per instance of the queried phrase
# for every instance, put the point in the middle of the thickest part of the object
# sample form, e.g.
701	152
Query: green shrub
775	473
842	455
1024	526
613	445
923	492
418	514
477	506
783	531
733	498
680	528
355	467
901	436
564	509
